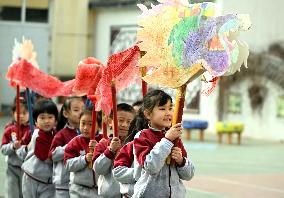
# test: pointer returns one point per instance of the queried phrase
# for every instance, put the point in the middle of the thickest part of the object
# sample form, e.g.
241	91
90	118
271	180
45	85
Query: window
30	10
235	103
37	15
8	13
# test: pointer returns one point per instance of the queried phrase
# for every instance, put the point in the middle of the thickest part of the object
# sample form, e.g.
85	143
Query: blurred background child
106	150
77	157
11	142
67	127
37	179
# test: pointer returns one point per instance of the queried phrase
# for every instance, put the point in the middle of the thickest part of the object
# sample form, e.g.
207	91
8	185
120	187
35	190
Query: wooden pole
18	110
178	112
114	110
93	131
94	124
144	84
104	126
143	73
31	122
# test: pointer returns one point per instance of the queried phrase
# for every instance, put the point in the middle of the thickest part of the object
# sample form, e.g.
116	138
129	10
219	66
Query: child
123	170
11	142
106	150
77	157
69	118
37	179
153	146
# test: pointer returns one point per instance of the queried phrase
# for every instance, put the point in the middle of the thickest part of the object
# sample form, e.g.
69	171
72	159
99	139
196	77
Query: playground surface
253	169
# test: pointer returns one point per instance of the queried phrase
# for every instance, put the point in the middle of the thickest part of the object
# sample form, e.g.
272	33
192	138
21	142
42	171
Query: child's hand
103	140
115	144
174	132
92	144
177	155
89	157
16	144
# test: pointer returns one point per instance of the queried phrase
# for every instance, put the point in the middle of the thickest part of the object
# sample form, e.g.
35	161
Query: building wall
71	35
264	123
39	33
266	17
105	19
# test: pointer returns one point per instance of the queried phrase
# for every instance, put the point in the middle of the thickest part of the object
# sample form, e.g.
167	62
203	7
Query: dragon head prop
182	41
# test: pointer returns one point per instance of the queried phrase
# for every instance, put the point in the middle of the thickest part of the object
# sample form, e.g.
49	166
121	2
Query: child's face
46	122
86	125
161	116
124	119
73	115
24	115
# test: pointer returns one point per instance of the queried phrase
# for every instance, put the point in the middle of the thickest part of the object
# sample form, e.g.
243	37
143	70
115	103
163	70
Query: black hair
137	103
88	111
22	103
62	120
151	99
45	106
22	97
123	107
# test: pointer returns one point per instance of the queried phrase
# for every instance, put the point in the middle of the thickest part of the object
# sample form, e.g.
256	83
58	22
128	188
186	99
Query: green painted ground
255	168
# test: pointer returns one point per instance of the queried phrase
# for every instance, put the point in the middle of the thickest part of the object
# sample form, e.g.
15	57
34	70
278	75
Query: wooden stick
94	124
18	110
114	109
92	133
178	112
104	126
144	84
31	122
143	71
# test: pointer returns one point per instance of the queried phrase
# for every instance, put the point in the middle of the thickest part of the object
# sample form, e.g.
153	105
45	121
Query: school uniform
82	178
103	159
123	170
14	162
37	179
60	176
157	178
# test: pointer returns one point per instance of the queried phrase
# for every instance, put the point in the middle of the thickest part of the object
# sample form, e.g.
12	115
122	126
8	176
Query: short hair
45	106
123	107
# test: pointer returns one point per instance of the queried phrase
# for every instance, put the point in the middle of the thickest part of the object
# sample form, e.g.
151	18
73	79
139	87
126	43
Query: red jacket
125	156
78	144
11	133
145	143
62	138
43	143
101	147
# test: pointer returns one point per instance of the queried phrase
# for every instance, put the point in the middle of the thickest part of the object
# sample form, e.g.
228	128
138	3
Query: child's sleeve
73	160
22	152
7	145
151	158
186	171
103	158
123	172
56	152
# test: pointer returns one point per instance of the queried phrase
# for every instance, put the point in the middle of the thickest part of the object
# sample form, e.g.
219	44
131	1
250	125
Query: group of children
60	160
